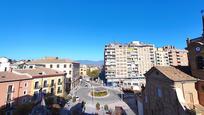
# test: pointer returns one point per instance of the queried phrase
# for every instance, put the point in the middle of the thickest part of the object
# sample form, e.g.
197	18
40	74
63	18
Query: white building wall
4	64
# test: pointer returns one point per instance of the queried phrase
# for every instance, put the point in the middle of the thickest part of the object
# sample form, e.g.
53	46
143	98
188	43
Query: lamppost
92	93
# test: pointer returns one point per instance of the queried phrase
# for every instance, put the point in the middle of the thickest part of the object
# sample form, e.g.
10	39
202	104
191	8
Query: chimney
202	13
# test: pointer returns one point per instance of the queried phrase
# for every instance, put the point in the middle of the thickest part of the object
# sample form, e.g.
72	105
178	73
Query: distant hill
90	62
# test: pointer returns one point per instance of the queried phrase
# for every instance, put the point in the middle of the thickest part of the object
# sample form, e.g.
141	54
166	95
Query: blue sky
79	29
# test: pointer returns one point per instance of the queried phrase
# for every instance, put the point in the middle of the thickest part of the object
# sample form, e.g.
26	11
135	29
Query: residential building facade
4	64
83	70
67	66
15	90
177	57
132	60
161	57
45	79
127	61
115	62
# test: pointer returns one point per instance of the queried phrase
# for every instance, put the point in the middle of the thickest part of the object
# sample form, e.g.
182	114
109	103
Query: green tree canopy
94	73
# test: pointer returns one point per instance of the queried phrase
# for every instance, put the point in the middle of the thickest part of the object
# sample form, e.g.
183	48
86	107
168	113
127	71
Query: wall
4	64
48	89
18	87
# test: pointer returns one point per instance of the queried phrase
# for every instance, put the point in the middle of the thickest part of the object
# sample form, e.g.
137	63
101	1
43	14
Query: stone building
169	91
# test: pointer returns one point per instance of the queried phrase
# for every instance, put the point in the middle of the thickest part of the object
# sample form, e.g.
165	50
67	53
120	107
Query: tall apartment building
115	61
141	58
177	57
161	57
133	60
129	61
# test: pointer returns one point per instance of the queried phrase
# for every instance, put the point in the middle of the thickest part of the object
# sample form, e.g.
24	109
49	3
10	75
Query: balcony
52	85
59	83
59	91
10	91
45	85
37	87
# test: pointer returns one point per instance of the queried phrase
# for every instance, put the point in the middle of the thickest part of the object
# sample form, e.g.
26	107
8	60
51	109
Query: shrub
99	94
97	106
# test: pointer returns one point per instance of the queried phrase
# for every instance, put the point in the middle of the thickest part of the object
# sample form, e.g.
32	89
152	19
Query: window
129	83
25	92
200	62
51	66
135	83
10	88
57	65
52	91
70	72
59	90
159	92
202	87
45	83
52	83
36	85
59	82
9	97
5	69
65	66
70	66
25	84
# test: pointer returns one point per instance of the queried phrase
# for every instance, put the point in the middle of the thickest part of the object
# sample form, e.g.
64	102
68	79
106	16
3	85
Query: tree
97	106
93	74
106	107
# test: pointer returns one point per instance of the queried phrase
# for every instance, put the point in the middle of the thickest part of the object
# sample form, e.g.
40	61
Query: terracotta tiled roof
174	74
40	71
50	60
10	76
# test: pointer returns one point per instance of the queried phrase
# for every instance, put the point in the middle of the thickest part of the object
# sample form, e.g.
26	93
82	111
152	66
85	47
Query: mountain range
91	63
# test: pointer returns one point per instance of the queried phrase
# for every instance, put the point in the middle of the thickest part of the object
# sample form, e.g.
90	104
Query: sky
79	29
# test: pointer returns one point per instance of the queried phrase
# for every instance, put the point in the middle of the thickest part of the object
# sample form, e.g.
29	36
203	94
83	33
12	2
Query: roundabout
110	96
99	92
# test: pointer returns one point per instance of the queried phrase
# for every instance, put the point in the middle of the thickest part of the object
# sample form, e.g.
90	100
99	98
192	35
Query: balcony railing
46	85
37	87
59	91
52	84
59	83
10	91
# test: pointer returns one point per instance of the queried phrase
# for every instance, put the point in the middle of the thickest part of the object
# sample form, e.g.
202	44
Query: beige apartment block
49	80
126	61
67	66
177	57
83	70
161	57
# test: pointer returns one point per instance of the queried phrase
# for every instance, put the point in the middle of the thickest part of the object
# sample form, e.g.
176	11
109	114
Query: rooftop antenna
202	13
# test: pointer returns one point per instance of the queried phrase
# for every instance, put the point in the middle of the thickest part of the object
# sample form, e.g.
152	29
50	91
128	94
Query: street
112	99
